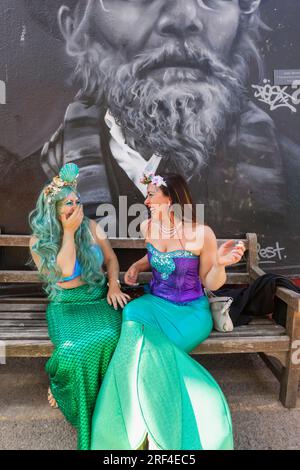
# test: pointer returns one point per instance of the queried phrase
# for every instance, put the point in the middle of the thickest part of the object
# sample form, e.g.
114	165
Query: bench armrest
255	272
291	298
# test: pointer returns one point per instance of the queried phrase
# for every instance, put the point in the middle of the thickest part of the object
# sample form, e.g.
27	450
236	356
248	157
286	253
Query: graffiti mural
124	86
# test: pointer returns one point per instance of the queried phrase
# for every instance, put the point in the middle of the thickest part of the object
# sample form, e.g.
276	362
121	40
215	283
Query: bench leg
289	386
289	382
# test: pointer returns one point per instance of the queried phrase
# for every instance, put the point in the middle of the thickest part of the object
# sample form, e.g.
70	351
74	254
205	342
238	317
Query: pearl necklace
168	231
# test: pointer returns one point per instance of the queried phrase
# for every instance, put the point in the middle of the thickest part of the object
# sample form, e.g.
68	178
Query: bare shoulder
97	231
92	225
35	256
32	241
208	232
209	236
194	236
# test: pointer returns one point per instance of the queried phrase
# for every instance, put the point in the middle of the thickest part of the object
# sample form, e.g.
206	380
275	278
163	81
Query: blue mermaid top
175	275
77	266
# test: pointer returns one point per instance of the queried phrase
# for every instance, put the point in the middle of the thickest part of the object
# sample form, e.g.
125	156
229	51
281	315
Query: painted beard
174	101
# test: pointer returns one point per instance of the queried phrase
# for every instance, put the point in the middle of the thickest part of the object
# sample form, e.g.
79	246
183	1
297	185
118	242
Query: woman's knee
129	310
206	329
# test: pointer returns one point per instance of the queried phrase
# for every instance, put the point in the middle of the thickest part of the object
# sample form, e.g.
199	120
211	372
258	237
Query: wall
206	75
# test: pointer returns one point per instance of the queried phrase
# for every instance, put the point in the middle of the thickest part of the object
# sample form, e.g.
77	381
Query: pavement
259	419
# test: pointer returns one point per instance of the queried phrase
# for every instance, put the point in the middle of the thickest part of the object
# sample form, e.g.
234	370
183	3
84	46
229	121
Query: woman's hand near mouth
72	222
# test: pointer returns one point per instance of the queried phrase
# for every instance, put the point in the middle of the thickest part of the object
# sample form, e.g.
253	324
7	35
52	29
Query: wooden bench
23	325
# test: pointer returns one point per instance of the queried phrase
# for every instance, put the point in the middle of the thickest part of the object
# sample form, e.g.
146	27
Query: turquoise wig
48	230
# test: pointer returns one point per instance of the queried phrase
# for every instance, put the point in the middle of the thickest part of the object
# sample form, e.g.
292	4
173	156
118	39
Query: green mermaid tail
84	330
153	387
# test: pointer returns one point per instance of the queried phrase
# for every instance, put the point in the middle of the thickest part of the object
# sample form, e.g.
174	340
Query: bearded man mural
163	86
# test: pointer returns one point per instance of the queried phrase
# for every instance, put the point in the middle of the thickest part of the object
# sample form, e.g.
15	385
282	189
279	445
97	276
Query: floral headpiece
153	179
67	177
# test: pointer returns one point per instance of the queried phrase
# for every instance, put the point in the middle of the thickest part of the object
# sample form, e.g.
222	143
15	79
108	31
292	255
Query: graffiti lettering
296	94
296	354
270	252
22	39
275	96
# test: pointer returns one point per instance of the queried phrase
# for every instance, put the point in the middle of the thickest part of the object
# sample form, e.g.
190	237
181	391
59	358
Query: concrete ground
259	419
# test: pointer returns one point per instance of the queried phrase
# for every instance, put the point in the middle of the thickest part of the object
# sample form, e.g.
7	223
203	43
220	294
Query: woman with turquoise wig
84	313
154	394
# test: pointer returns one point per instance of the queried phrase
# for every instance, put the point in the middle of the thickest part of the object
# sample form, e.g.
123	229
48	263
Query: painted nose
180	18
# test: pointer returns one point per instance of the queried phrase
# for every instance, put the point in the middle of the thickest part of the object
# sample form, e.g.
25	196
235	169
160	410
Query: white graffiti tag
271	252
2	92
275	96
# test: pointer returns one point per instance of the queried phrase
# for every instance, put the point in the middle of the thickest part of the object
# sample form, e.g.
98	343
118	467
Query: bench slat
44	348
31	328
26	307
14	240
28	348
22	316
120	243
21	323
19	276
20	334
23	300
33	277
251	330
243	345
262	320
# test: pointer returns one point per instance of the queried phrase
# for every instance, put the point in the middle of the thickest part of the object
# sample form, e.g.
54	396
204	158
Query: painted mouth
180	64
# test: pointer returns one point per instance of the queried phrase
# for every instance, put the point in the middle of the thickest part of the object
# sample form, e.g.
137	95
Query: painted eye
69	203
138	1
213	4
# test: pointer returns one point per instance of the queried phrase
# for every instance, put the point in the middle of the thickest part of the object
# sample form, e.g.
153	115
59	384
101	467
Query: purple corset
175	275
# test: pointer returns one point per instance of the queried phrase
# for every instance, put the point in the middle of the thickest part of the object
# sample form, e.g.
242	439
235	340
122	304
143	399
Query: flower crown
67	177
153	179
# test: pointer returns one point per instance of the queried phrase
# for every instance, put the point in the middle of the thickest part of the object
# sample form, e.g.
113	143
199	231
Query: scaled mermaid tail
84	330
152	386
